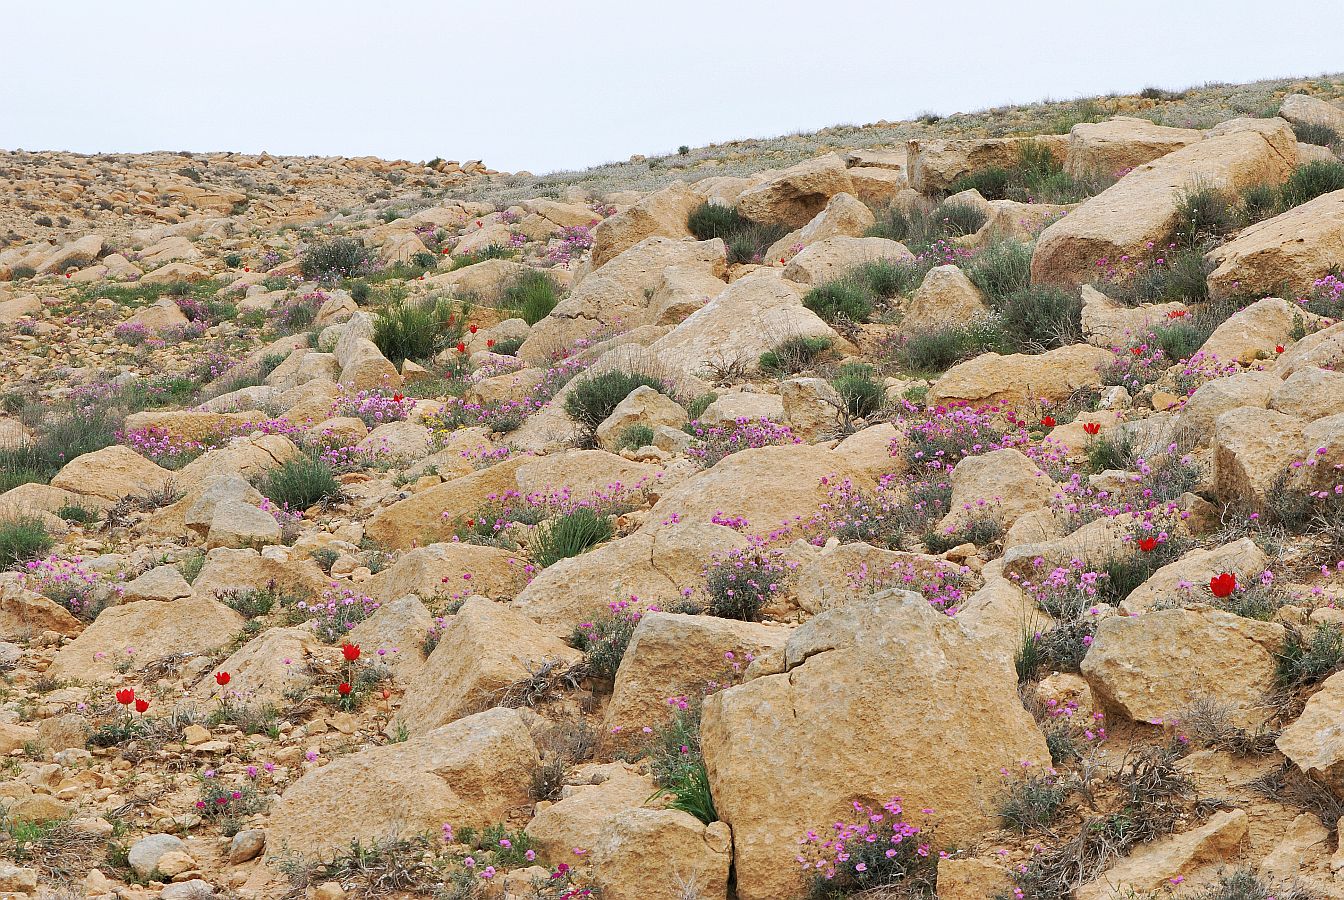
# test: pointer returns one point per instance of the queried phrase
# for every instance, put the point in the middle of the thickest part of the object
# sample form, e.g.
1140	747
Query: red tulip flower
397	398
461	347
1278	348
1176	314
472	328
141	705
1048	421
490	342
125	696
1136	350
445	251
343	689
247	268
1091	427
1148	544
350	652
1223	585
222	678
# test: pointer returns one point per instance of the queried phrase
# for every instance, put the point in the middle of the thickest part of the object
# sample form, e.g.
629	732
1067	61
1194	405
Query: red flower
397	398
222	678
343	688
1048	421
472	328
1176	314
478	223
490	342
1223	585
247	268
350	652
67	274
1148	544
141	705
1136	350
461	347
1091	427
445	251
1278	348
125	696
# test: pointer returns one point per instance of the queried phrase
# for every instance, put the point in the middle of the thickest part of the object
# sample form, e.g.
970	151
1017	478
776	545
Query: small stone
329	890
195	734
246	845
144	855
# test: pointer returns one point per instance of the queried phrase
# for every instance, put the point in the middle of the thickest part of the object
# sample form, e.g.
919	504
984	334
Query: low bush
1317	133
745	240
1311	181
1001	269
532	294
860	393
604	640
934	351
843	300
1032	803
22	539
793	355
335	259
417	329
300	482
569	534
594	397
1041	318
634	437
678	765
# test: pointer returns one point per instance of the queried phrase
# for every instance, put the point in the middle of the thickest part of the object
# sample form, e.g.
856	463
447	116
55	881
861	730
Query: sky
552	86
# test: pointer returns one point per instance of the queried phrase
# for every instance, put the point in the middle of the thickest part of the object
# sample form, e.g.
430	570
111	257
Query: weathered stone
1116	145
794	195
660	854
1018	378
140	633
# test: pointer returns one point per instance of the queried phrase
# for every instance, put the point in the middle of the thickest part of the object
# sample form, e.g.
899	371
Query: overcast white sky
547	86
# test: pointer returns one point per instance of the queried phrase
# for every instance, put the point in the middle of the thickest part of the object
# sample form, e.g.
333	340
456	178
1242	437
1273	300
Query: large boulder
1252	449
662	213
654	565
1309	393
449	568
945	298
472	773
661	854
791	197
428	517
1019	377
1254	332
111	474
264	670
1242	558
484	649
1213	398
781	752
1155	867
933	166
1153	666
1122	143
1002	484
843	216
1285	253
1142	207
749	317
138	634
1314	741
1107	323
672	655
619	292
829	259
643	406
1303	109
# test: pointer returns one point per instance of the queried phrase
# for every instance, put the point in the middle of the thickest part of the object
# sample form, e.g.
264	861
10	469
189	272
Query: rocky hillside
950	508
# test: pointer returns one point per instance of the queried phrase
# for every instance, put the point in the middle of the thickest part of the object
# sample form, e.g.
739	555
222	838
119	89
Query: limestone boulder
159	583
1255	332
734	406
1323	349
1309	393
1019	377
1107	323
440	570
264	669
945	298
1153	666
1303	109
485	648
674	655
1244	389
1285	253
473	773
236	523
682	290
1217	843
25	614
1002	484
427	517
111	474
621	291
280	568
654	565
1243	558
662	213
1120	144
644	406
779	748
145	631
1142	207
829	259
592	795
400	627
793	196
1314	741
1252	449
749	317
811	407
244	457
660	854
843	216
486	279
933	166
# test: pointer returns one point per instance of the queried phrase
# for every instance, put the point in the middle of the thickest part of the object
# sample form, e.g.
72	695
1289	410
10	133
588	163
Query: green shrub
18	273
959	219
490	251
300	482
22	539
634	437
888	278
1035	176
570	534
1113	452
678	765
1041	318
935	351
532	294
713	220
861	395
417	329
1316	133
1033	803
605	639
337	258
359	291
1257	203
1311	181
233	261
991	183
696	406
508	346
78	514
594	397
1304	661
1203	212
793	355
1000	269
844	300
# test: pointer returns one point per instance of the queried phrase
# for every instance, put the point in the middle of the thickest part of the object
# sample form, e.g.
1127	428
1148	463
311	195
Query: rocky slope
941	509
